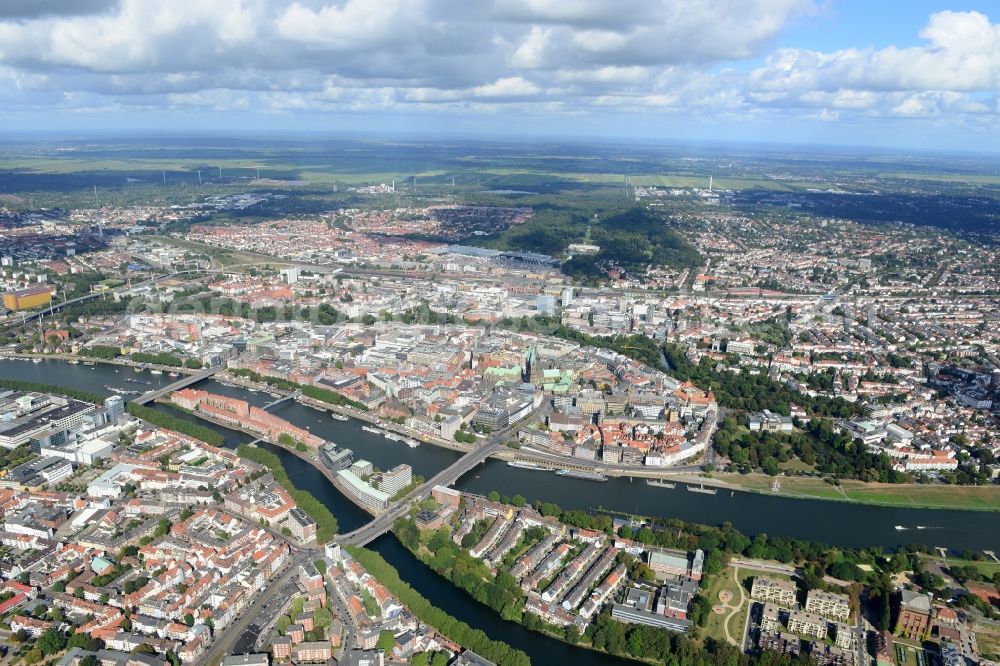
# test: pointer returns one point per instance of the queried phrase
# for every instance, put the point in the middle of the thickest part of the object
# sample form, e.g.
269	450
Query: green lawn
985	498
715	584
989	642
985	567
715	626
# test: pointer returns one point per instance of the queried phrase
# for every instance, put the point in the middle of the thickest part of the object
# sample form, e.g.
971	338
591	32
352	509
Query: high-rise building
114	408
396	479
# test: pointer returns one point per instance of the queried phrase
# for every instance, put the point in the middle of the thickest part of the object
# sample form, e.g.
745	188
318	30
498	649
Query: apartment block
780	592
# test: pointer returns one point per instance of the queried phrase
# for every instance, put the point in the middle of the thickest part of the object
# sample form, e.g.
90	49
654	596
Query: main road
223	642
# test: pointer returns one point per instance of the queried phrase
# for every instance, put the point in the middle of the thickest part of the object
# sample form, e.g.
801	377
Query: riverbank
841	524
88	360
307	456
901	495
326	522
472	638
911	495
344	410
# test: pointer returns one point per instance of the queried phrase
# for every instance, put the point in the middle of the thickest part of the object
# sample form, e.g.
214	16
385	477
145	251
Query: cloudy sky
893	72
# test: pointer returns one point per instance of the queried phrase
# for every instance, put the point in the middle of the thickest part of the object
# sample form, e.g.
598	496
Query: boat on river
587	476
660	484
519	464
702	489
340	417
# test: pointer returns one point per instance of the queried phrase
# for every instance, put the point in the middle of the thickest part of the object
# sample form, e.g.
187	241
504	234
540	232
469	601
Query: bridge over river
446	477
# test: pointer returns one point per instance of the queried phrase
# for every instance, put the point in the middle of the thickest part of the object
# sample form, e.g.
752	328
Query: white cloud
354	24
962	53
684	57
529	53
511	86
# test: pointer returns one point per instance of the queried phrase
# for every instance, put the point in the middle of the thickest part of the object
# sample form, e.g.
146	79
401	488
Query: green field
715	626
986	567
913	495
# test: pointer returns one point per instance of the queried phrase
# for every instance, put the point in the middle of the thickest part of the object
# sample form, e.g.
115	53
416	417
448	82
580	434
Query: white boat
412	443
588	476
528	465
340	417
900	528
156	372
374	431
36	360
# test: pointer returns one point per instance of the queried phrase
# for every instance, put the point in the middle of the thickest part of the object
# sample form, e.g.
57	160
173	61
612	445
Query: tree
84	642
439	659
89	660
51	641
189	619
322	618
386	642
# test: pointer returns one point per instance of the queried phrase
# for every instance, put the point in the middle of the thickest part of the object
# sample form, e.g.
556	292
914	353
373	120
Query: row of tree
38	387
474	639
326	523
175	423
315	392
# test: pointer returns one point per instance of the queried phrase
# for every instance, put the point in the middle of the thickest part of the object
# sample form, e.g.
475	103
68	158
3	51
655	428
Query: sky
900	73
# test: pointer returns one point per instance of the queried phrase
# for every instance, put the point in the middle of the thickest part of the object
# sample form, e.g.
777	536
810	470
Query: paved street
226	639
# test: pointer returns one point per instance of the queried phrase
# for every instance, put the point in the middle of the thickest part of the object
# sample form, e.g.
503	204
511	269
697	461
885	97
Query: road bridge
446	477
282	400
183	382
